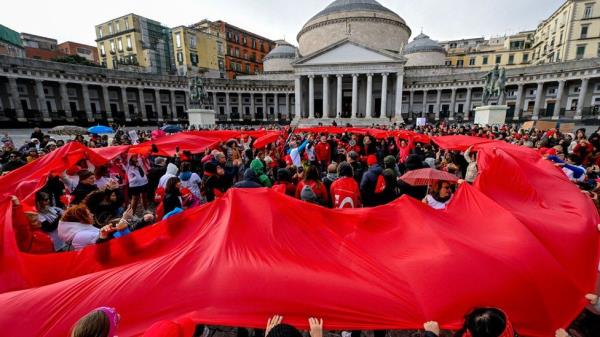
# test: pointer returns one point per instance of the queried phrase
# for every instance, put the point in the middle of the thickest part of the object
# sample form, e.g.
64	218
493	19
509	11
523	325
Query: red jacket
30	240
318	188
345	193
323	151
285	188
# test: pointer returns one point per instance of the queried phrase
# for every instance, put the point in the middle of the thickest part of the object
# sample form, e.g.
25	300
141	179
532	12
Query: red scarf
509	331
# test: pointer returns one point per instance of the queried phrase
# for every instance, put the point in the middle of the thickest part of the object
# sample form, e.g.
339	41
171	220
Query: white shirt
192	184
436	204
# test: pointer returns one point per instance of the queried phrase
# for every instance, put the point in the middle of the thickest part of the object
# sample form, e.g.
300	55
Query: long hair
78	213
39	197
172	185
94	324
312	174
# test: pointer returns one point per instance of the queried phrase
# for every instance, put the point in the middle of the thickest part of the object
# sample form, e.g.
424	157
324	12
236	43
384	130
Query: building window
237	52
580	52
247	68
192	41
485	60
109	29
100	32
448	63
472	61
102	50
525	58
587	13
498	59
194	58
511	59
129	46
244	41
178	40
120	44
460	63
180	57
584	32
253	44
118	27
221	65
112	46
126	24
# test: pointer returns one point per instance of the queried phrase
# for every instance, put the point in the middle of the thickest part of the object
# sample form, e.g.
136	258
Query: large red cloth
523	238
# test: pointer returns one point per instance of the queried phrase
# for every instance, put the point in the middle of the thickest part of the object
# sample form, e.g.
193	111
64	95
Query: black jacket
250	180
81	191
171	201
368	185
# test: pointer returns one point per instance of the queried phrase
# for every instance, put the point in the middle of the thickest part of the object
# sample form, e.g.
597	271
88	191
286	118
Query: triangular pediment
347	52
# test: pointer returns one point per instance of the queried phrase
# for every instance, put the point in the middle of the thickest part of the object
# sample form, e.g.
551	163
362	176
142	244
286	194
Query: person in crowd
171	172
138	182
27	227
259	170
102	177
439	196
86	185
14	162
49	216
345	192
369	182
312	179
76	228
276	328
329	178
480	322
37	134
212	184
471	172
158	170
295	152
100	322
189	179
32	154
284	183
323	153
250	180
172	198
389	191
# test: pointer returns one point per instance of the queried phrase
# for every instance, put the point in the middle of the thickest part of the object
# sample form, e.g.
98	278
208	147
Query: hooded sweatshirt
259	169
171	173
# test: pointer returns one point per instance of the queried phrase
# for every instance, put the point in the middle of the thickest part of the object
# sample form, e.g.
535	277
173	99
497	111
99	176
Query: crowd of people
86	205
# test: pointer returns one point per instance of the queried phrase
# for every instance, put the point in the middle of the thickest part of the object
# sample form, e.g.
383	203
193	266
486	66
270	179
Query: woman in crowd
172	198
439	196
138	182
284	183
49	217
86	185
312	179
76	228
189	179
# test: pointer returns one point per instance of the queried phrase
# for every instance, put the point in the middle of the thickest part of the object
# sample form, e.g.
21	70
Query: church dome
365	22
424	52
280	58
422	43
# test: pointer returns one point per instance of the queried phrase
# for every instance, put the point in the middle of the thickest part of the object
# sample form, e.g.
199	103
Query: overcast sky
74	20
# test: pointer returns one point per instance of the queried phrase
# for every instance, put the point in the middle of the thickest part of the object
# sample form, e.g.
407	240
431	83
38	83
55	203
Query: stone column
539	94
16	99
424	113
276	107
399	87
338	100
265	108
438	104
581	100
86	102
518	103
158	105
64	100
41	98
468	104
174	105
384	89
452	104
214	99
227	106
311	96
559	98
298	97
143	104
125	104
240	106
325	96
253	107
287	106
106	100
411	101
369	111
354	95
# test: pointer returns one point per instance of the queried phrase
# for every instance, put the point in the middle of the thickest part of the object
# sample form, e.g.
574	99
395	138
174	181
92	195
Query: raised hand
316	327
272	322
432	327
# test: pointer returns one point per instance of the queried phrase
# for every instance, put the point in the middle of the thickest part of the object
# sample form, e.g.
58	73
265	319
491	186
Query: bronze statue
198	94
495	84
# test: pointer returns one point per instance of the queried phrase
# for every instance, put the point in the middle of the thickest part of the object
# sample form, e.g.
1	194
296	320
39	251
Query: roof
422	43
354	5
10	36
283	50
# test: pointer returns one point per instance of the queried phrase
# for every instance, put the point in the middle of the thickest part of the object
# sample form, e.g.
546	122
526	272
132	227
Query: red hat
371	160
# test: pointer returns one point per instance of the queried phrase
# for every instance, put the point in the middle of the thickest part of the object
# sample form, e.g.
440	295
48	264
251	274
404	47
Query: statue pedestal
201	117
491	115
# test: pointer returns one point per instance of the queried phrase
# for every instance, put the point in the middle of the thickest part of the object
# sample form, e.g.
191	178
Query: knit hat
307	194
371	160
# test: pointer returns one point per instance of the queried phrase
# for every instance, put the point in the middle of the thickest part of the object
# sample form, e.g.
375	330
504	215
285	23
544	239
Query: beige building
198	52
572	32
133	42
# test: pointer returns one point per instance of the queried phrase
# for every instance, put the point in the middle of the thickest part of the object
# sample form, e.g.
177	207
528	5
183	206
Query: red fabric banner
391	267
